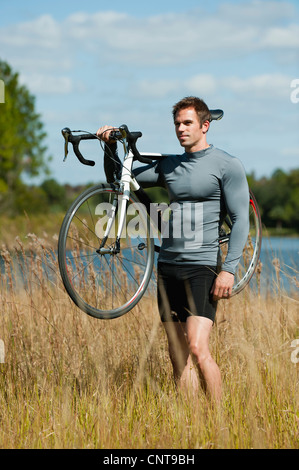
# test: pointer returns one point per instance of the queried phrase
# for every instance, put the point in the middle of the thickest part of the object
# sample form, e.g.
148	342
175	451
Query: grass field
71	381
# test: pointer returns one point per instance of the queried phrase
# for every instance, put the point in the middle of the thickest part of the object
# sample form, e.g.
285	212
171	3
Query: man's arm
236	196
146	175
112	164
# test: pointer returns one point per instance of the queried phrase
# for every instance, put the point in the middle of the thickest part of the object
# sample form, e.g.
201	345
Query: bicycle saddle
216	114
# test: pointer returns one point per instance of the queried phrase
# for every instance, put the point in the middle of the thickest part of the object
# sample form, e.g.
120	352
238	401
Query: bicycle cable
103	146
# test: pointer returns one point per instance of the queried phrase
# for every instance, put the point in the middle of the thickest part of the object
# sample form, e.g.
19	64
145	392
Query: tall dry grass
71	381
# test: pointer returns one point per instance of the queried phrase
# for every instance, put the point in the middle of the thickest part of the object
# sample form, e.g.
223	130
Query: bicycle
106	252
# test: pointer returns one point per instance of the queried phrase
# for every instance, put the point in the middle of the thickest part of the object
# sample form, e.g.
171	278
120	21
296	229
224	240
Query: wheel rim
251	251
105	285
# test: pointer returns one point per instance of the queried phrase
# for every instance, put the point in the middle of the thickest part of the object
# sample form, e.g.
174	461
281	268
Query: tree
56	195
21	138
278	199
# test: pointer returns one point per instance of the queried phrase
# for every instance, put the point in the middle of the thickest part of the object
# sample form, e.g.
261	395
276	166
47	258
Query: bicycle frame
127	184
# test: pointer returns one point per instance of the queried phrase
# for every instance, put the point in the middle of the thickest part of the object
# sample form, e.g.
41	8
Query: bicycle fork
119	206
111	218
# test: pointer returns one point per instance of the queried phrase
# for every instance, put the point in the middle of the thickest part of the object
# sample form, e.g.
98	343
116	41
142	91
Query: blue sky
94	62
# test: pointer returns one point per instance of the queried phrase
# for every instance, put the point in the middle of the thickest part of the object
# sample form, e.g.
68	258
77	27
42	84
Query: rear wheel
251	252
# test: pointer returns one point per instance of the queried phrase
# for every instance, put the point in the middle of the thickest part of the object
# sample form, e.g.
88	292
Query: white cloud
156	88
258	12
203	84
264	85
47	84
166	39
261	86
43	32
173	39
290	151
278	37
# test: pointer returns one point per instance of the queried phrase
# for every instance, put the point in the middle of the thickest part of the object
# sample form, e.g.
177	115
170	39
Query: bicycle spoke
81	242
79	272
103	285
87	226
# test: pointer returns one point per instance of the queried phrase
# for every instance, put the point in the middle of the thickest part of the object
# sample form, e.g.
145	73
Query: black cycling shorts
184	290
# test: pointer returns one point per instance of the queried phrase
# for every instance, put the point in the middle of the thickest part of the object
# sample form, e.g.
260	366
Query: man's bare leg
198	331
190	342
184	370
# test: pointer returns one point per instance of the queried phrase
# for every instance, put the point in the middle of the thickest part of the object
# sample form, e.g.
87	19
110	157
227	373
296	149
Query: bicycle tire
104	286
251	252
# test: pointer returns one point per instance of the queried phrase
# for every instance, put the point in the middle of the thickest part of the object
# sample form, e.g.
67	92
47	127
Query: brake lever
66	133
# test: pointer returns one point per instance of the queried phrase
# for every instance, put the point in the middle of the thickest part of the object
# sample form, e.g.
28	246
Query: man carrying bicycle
203	184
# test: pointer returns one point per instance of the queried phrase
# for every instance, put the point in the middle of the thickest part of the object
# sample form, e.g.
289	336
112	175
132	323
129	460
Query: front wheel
105	277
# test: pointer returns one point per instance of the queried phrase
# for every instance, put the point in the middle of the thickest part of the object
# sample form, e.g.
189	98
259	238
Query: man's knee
200	352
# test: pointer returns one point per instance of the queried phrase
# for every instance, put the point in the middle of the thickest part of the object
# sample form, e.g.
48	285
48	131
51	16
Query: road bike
111	235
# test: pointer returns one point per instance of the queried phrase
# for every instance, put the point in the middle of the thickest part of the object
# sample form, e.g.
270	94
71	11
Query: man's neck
197	148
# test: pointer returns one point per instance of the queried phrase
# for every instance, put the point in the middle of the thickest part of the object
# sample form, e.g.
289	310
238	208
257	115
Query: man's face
188	130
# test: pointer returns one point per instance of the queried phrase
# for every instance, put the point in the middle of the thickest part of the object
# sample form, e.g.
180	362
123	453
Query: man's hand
222	287
104	133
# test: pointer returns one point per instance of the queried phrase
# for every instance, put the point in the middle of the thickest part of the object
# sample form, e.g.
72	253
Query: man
203	185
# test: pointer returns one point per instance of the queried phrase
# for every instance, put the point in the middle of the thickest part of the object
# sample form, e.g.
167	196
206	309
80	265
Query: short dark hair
198	104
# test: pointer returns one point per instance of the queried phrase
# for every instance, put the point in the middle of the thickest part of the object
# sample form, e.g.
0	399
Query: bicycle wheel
251	252
103	278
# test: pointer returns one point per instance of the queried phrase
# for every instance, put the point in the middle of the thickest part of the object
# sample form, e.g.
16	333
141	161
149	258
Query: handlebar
75	141
122	133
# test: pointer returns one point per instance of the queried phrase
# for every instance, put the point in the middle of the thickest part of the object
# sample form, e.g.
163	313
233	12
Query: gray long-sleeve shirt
202	187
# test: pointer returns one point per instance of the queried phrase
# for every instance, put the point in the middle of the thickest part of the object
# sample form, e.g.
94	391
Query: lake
284	253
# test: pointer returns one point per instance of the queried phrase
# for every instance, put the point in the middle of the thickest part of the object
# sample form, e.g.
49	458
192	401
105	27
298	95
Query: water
282	251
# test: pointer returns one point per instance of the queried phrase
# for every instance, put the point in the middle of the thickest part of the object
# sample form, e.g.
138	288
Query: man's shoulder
226	160
228	166
220	153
